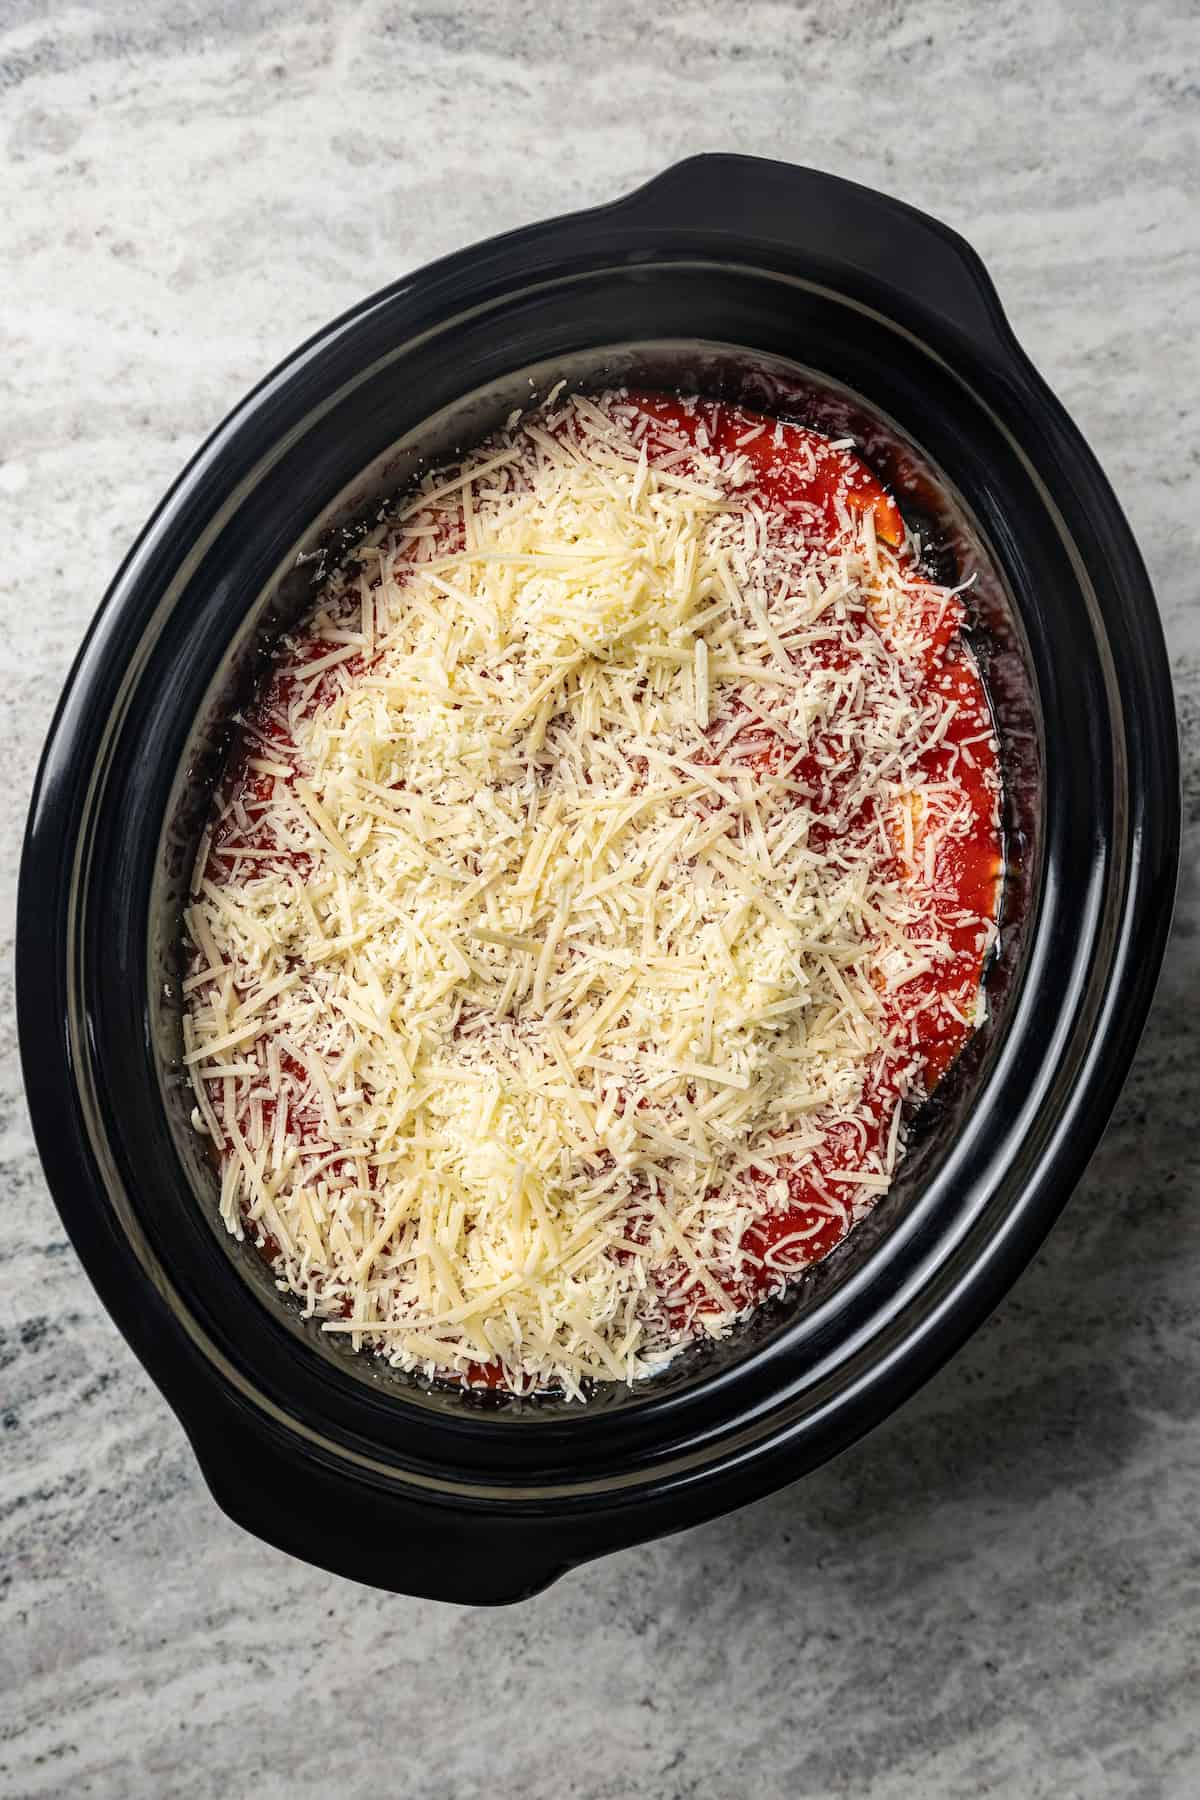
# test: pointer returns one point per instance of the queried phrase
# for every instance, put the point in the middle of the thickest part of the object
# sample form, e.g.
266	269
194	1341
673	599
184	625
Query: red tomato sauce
798	476
808	486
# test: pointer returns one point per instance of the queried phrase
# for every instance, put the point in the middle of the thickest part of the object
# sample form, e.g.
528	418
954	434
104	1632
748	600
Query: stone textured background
999	1592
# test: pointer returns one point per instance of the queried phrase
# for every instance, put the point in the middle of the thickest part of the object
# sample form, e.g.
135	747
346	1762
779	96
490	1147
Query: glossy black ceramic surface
784	288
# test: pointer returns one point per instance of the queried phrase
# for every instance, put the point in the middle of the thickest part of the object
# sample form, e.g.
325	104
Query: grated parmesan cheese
568	900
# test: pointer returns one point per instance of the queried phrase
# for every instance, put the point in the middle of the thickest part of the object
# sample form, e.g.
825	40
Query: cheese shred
571	896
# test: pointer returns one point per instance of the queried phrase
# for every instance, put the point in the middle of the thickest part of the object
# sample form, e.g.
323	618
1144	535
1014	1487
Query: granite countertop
999	1592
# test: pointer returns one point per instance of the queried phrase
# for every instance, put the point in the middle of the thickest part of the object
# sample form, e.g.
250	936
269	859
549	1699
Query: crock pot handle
364	1529
881	250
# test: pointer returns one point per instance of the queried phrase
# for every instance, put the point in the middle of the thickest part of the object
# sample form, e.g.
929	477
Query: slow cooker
794	292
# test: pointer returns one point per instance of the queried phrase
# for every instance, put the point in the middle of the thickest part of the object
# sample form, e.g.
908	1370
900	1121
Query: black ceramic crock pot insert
785	289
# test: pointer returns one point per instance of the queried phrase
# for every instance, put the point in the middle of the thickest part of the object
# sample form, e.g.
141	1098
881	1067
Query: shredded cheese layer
565	902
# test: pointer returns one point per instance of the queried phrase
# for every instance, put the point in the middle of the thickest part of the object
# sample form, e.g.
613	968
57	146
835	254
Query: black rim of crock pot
874	253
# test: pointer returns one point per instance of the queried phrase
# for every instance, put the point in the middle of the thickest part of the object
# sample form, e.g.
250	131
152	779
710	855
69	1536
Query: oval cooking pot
783	288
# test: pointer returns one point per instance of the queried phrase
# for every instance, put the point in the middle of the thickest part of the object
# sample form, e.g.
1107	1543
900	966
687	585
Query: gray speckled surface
999	1592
